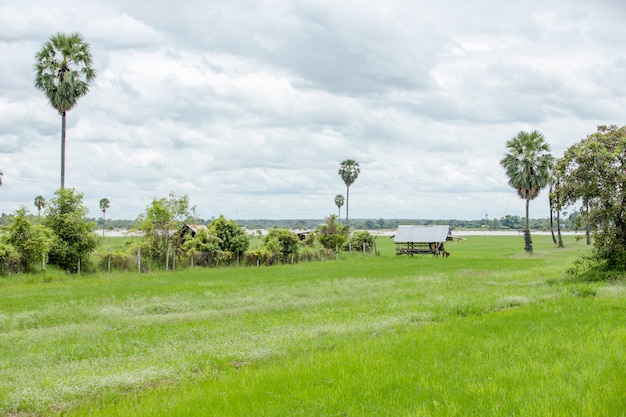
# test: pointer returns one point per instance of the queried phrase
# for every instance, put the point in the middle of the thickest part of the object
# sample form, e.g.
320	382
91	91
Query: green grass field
490	331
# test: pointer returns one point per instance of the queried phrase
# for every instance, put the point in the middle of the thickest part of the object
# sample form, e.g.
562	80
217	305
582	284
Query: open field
490	331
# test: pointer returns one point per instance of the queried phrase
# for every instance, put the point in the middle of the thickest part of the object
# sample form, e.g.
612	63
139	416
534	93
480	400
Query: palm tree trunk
347	203
63	150
587	232
528	243
551	214
558	228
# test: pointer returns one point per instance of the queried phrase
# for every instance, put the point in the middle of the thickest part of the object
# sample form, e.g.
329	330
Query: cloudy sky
249	106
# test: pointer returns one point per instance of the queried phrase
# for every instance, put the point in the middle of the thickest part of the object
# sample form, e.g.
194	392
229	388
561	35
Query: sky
249	107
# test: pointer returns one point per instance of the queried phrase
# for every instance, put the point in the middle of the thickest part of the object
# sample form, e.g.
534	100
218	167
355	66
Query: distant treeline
508	222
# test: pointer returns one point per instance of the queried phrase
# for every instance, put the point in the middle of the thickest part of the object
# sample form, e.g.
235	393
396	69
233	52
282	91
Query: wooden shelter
423	240
187	231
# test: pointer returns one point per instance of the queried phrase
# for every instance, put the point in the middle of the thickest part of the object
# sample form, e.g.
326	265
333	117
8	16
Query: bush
120	261
362	241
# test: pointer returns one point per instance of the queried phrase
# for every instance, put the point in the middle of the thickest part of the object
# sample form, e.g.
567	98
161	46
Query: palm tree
40	203
349	171
63	72
339	200
527	165
104	205
1	177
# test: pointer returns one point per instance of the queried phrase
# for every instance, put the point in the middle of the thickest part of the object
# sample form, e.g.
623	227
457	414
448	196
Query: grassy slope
364	336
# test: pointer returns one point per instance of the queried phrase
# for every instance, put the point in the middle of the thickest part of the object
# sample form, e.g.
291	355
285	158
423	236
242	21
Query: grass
488	331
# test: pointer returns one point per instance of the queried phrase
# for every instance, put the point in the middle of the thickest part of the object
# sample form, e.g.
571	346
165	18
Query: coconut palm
63	72
40	203
349	171
339	200
527	164
104	205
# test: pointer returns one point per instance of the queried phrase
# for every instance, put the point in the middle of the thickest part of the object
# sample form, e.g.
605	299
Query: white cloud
249	107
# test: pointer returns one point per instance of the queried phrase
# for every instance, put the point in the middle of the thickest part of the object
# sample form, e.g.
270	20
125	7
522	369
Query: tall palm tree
63	72
349	171
40	203
527	164
339	200
1	177
104	205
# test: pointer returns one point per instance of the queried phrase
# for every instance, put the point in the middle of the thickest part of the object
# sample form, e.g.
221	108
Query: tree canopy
63	71
163	217
592	175
527	164
349	171
74	238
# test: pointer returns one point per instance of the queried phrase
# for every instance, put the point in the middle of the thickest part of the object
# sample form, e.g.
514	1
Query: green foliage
282	243
204	247
349	171
63	70
74	238
118	261
362	241
332	235
592	173
527	164
232	238
10	259
31	242
159	222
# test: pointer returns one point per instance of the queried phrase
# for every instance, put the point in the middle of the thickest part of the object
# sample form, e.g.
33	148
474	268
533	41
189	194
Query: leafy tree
74	237
349	171
63	71
204	244
31	242
284	242
592	174
332	235
159	222
232	237
40	203
362	241
527	164
104	205
339	200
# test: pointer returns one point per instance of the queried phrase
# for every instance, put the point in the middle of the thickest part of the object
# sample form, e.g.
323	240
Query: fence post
139	260
79	266
167	258
109	261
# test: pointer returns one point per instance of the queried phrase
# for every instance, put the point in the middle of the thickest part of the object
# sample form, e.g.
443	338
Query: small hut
421	240
187	231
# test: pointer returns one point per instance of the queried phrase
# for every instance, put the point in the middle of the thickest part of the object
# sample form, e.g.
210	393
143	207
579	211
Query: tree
527	164
339	200
232	237
332	235
1	177
592	175
74	237
63	71
30	242
158	223
40	203
104	205
283	242
349	171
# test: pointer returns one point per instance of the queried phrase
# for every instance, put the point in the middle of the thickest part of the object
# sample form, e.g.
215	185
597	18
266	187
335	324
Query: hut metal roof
421	234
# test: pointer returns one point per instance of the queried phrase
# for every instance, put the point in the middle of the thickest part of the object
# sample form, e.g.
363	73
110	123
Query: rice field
490	331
